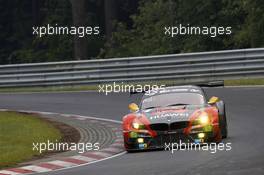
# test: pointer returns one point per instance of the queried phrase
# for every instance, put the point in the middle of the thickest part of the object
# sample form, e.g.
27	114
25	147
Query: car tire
222	119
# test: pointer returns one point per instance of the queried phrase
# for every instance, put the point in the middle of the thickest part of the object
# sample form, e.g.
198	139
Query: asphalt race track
245	114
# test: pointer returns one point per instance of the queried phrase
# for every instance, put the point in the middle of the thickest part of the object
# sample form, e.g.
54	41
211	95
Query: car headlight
203	119
137	125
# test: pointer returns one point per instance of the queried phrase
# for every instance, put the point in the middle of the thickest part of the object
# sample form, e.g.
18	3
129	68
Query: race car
174	114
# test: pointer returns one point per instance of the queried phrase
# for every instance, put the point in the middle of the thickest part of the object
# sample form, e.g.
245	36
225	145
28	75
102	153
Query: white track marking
62	163
112	149
35	168
84	158
9	172
102	154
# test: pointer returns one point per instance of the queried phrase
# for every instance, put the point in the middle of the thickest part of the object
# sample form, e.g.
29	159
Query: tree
36	12
79	19
146	36
251	33
110	16
30	48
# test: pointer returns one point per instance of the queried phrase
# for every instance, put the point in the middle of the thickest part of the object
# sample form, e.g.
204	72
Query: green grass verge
244	82
17	134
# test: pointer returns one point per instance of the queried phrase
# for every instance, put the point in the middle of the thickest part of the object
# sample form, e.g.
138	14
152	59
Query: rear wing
218	83
138	92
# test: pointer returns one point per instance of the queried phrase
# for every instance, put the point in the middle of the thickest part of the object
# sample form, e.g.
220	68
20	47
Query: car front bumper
143	141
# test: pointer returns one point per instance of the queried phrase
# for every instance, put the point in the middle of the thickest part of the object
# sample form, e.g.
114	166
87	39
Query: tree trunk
79	19
35	11
110	16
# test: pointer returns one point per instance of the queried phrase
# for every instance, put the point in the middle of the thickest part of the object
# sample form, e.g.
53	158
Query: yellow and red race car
174	114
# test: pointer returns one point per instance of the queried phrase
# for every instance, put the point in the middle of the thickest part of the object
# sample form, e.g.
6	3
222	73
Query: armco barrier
181	68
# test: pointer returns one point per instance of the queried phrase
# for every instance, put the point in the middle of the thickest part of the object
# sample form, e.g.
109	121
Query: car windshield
172	99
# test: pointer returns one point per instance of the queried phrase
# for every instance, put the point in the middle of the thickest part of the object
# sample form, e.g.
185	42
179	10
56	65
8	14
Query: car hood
169	114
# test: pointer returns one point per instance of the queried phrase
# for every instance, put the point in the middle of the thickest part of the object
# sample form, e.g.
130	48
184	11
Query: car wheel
222	119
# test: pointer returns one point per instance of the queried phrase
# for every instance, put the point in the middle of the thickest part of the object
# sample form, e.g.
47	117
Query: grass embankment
17	134
244	82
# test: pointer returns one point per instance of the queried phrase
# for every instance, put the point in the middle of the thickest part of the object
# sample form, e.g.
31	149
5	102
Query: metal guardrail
181	68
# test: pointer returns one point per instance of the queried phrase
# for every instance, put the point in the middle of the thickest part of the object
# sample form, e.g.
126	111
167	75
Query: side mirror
133	107
213	100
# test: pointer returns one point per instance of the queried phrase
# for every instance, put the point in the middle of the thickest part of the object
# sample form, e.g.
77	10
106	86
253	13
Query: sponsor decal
170	116
178	90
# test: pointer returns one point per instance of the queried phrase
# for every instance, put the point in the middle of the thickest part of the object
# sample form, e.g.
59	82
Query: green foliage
140	34
19	45
52	47
146	37
252	31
